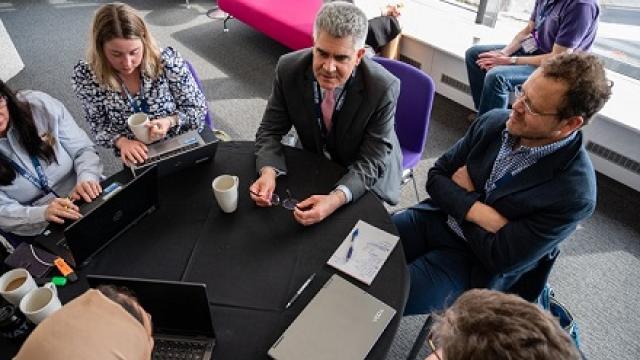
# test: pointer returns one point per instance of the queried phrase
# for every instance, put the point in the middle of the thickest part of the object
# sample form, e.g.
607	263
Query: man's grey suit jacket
363	129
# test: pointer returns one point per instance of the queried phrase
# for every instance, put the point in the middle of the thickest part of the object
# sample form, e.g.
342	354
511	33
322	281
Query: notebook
342	322
173	154
103	220
369	248
182	325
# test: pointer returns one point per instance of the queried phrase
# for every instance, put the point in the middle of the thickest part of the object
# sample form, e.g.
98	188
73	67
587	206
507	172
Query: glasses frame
519	93
288	203
432	346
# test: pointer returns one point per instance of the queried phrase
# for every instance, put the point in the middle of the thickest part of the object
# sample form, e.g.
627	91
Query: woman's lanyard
318	106
543	13
41	182
139	105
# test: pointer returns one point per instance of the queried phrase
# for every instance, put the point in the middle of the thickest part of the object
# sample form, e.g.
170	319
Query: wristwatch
513	60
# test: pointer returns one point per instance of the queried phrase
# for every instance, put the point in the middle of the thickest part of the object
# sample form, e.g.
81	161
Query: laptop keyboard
170	153
177	349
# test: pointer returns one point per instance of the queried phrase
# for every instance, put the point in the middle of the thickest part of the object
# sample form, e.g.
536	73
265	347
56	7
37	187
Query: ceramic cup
40	303
138	125
15	284
225	190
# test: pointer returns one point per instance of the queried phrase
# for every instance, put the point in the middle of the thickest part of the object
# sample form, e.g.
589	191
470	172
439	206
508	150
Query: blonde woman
125	73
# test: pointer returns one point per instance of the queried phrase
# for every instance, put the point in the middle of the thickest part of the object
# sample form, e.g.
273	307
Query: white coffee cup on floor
40	303
138	123
15	284
225	190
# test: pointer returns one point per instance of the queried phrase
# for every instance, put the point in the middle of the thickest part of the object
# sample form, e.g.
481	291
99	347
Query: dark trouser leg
439	262
475	74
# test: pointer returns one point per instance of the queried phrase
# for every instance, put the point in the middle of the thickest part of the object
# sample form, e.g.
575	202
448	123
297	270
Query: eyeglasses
288	203
527	105
432	346
3	101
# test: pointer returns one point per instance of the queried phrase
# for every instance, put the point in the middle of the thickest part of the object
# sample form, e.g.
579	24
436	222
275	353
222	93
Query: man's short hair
341	19
588	87
486	324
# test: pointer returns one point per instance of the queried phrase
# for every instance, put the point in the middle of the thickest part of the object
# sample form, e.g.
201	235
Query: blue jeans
490	89
439	261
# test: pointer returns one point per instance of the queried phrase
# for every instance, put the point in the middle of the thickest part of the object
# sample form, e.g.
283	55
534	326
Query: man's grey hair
342	19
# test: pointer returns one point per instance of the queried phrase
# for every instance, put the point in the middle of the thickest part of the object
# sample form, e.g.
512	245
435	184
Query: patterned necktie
328	103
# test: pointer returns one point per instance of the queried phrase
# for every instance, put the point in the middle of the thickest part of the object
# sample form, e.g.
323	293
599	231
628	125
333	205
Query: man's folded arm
523	240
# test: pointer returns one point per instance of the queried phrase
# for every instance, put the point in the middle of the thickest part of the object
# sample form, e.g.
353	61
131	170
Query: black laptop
103	220
182	325
179	152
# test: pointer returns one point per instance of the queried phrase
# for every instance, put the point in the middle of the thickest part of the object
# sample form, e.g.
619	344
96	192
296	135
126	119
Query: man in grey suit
342	106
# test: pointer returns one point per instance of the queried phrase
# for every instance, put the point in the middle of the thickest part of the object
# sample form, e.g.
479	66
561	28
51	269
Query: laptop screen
113	216
176	308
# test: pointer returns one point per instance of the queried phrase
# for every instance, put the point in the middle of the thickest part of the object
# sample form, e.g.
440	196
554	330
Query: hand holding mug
158	128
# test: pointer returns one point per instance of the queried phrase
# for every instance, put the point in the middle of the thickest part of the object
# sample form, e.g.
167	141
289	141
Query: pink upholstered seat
289	22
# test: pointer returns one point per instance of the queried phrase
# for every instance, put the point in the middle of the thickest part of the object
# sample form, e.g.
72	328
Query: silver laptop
342	322
190	148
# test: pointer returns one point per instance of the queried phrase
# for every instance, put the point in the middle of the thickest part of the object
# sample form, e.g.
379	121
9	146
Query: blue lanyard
41	182
136	105
543	13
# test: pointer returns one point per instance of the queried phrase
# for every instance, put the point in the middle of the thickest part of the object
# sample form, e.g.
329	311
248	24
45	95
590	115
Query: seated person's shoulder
171	59
82	70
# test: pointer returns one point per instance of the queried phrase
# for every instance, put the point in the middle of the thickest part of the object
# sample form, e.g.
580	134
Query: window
618	39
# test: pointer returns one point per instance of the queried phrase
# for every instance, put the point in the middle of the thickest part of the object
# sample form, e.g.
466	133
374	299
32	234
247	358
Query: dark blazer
362	139
543	203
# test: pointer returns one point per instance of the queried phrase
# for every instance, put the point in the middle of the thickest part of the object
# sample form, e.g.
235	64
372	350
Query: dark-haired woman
46	162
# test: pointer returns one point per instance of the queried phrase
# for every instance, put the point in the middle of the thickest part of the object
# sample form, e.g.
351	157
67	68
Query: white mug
15	284
225	190
40	303
138	125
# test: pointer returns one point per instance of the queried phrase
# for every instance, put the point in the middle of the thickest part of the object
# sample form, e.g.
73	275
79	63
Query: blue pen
354	234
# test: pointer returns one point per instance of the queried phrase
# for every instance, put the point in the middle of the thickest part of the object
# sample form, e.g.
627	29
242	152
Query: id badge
529	44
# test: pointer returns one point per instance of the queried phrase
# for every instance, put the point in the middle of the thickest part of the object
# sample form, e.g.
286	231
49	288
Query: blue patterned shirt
511	162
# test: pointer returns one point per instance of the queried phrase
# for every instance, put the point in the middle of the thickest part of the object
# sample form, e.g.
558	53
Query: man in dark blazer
342	105
507	193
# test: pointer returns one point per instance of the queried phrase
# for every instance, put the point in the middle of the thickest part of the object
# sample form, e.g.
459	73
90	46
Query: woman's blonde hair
119	20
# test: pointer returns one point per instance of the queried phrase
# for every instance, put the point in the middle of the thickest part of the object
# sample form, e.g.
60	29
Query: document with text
363	252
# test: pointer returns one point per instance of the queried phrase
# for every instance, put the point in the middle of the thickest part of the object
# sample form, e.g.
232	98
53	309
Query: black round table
251	260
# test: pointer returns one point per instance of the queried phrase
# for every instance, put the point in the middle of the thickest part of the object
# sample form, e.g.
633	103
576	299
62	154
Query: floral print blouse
174	92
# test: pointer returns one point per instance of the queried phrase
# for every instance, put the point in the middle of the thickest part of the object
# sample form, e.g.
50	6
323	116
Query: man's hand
486	217
60	209
490	59
131	151
86	190
262	189
317	207
461	178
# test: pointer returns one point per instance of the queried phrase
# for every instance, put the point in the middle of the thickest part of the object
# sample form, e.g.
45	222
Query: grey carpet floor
596	275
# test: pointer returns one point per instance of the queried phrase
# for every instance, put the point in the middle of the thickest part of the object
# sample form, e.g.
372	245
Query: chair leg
188	4
415	185
224	24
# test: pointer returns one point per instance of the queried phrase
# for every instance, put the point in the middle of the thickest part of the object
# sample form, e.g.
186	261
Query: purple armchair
207	117
412	113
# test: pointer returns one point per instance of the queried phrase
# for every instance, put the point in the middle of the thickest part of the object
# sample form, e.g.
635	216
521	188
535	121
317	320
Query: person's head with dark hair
486	324
558	98
587	86
129	302
94	325
16	115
